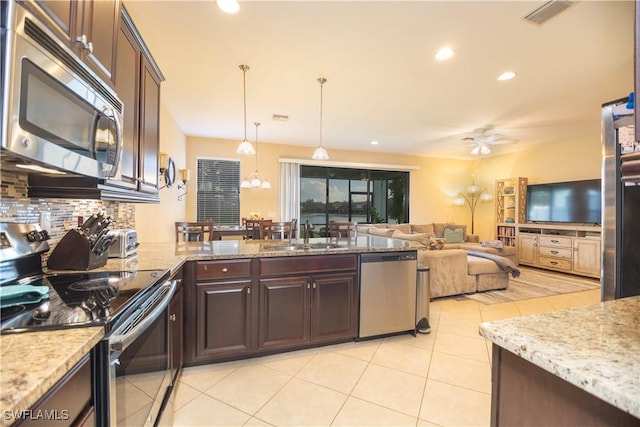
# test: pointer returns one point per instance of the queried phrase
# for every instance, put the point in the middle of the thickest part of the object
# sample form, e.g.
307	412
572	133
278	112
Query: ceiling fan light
320	154
475	150
228	6
484	149
246	148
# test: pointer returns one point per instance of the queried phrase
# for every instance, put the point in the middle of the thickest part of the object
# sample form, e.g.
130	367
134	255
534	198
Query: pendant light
255	180
321	153
245	146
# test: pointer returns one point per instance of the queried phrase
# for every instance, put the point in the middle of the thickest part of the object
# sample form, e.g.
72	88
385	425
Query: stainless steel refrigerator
621	202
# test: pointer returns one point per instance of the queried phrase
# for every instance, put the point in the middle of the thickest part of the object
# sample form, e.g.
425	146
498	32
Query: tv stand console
572	249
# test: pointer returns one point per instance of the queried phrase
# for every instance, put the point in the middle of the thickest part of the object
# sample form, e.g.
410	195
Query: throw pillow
423	228
464	230
436	243
405	228
454	236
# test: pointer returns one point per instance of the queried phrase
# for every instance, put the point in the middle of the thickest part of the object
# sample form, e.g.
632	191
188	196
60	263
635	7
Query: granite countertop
171	255
596	348
31	363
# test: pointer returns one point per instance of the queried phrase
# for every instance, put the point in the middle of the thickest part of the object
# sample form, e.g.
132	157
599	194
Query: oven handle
119	342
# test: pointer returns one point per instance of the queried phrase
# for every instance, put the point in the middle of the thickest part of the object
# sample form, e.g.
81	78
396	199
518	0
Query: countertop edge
515	335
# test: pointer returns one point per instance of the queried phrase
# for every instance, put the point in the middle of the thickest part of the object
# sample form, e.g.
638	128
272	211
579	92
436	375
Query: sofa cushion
404	228
423	228
422	238
381	225
363	228
477	265
438	228
384	232
454	235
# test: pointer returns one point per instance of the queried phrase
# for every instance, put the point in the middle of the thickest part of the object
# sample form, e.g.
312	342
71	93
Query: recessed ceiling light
228	6
374	143
444	53
507	75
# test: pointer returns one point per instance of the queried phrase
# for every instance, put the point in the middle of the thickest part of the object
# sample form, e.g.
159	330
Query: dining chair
251	228
282	230
198	231
340	229
265	227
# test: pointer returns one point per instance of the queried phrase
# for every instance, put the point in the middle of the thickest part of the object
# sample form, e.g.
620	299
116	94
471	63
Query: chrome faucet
307	232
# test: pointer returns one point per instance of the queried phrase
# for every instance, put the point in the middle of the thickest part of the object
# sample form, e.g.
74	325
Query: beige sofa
452	271
424	233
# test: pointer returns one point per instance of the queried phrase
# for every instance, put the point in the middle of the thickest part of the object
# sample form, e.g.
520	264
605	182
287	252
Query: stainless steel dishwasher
387	293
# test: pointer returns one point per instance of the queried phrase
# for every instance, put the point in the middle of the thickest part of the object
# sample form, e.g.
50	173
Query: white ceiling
383	82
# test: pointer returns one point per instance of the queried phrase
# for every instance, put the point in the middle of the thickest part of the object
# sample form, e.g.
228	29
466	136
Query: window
218	195
342	194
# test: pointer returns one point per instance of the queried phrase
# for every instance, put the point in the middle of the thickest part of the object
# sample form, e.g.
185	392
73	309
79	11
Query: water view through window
360	195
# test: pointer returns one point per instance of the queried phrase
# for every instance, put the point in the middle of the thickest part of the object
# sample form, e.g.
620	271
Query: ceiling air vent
547	11
280	118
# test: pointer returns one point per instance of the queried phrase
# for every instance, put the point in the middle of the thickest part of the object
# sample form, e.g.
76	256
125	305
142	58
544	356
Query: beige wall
434	182
155	222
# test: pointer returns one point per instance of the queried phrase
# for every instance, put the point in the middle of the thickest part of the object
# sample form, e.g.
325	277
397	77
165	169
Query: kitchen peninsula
579	366
22	387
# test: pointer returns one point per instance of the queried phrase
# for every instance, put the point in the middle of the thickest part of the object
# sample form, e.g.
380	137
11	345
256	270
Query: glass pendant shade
485	197
473	189
255	180
320	154
458	201
246	148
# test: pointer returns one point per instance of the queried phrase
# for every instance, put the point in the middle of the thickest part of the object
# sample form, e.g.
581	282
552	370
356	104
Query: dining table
228	230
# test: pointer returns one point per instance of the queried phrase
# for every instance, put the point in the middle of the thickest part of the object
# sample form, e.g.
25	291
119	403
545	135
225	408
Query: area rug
536	283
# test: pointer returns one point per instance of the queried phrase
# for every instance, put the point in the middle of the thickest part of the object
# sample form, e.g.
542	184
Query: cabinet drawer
307	264
555	252
560	241
228	269
555	263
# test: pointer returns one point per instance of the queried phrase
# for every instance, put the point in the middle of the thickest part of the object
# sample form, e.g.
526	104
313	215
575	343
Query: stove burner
93	285
8	312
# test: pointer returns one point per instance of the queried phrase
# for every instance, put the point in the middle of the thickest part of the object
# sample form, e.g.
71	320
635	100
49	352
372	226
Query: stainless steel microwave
55	111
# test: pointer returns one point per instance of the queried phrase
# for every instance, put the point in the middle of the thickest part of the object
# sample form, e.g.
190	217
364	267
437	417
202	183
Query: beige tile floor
439	379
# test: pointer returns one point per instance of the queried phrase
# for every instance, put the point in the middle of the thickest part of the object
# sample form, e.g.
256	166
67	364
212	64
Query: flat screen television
573	202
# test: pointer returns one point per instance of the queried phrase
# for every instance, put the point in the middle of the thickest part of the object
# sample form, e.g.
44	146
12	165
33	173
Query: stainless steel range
130	305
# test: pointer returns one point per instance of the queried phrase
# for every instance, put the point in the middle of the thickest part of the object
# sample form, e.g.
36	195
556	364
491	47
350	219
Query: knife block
74	252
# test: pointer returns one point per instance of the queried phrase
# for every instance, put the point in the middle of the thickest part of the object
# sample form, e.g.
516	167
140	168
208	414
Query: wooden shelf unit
511	208
568	248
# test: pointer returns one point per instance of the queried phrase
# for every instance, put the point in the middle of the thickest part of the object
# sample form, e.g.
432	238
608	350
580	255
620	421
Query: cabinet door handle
555	241
314	285
248	291
225	270
173	317
553	262
308	285
554	252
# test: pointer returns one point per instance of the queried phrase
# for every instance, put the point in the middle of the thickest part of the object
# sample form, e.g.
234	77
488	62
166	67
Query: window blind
218	194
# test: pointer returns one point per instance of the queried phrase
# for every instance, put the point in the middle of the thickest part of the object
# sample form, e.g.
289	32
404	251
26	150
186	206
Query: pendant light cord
244	69
322	81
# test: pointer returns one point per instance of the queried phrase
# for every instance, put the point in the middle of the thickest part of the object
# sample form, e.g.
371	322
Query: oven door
139	361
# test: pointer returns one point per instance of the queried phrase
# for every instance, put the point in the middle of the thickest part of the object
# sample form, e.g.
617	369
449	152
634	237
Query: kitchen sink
302	246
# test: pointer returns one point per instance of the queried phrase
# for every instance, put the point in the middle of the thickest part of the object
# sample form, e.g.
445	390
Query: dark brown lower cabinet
524	394
244	307
307	309
67	403
223	319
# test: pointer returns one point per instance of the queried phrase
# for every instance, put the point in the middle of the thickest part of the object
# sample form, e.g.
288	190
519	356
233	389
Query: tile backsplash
61	214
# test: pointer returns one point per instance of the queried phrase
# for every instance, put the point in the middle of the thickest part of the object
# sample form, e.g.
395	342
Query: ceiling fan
481	139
